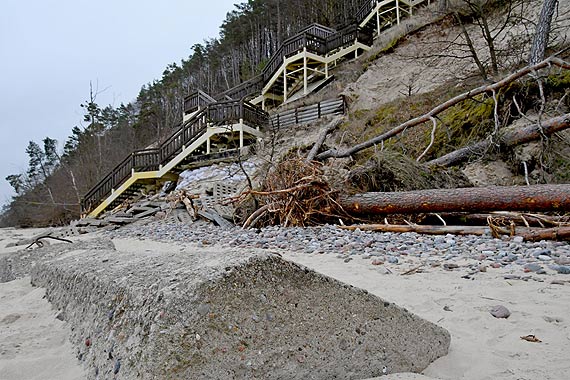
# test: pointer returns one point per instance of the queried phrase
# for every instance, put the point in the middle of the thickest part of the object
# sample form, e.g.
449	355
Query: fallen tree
506	140
431	115
476	199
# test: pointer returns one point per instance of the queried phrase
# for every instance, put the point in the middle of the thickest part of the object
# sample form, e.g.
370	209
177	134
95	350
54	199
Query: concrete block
218	314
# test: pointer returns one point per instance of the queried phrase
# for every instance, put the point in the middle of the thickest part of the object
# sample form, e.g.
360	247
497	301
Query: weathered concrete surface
221	315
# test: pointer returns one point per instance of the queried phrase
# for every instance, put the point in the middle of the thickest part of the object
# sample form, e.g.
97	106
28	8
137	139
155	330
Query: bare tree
540	41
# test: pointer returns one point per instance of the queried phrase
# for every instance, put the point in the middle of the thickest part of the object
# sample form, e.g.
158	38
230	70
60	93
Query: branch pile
295	193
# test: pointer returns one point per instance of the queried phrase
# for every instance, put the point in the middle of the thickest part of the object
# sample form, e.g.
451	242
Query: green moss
389	48
464	123
559	82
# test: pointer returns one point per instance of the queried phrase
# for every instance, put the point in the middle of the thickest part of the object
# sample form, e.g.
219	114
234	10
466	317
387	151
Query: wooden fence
306	114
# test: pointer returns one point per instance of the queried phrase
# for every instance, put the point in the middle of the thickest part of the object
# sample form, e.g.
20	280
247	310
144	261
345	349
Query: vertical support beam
285	84
263	103
241	133
208	145
326	70
398	11
378	19
305	78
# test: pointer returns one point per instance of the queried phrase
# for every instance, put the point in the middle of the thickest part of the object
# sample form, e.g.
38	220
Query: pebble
562	269
532	267
500	312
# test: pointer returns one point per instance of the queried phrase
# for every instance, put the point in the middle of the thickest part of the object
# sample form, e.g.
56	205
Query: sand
34	344
482	347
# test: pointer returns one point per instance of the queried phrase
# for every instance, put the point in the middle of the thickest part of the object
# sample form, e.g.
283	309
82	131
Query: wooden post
319	109
378	19
241	133
208	145
398	11
284	83
326	70
305	79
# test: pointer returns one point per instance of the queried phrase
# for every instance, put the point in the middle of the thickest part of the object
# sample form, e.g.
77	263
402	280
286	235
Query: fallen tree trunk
507	140
551	61
528	234
476	199
322	137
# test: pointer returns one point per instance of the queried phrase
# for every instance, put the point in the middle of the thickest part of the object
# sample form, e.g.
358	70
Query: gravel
449	252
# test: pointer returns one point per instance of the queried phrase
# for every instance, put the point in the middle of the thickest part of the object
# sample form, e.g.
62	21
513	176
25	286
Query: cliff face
213	314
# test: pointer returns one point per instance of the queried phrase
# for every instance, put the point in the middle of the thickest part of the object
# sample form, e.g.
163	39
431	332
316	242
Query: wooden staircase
309	55
216	131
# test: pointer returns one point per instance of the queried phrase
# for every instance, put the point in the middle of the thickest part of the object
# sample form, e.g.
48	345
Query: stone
500	312
393	260
450	266
532	267
562	269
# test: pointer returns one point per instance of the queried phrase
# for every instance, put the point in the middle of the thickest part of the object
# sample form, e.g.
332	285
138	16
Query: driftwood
492	88
534	198
39	243
508	139
322	137
519	219
529	234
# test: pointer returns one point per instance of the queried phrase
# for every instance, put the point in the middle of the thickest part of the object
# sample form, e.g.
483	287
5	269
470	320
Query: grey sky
51	49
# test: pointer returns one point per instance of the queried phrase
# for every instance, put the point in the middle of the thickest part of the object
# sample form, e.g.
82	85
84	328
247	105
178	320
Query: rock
558	282
500	312
544	258
377	262
450	266
518	239
117	367
393	260
532	267
482	268
562	269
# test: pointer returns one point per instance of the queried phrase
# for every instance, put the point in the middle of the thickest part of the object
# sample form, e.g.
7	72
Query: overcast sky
51	49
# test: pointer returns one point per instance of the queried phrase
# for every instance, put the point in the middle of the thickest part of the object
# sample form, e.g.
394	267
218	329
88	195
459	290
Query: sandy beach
34	343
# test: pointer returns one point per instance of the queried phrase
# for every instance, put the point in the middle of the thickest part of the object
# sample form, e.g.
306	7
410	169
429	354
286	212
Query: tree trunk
322	137
477	199
509	139
540	41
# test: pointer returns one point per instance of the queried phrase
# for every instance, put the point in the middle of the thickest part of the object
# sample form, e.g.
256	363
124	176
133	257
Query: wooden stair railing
151	159
317	39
